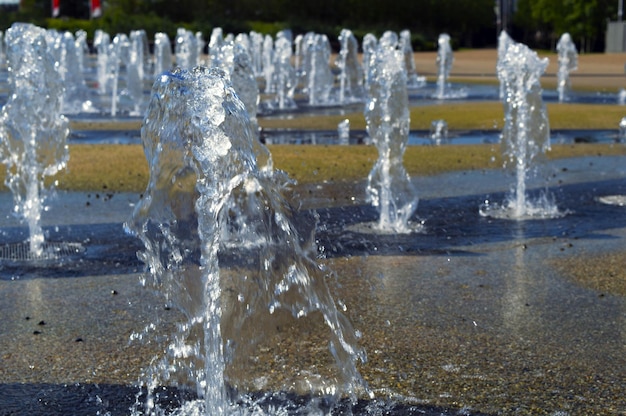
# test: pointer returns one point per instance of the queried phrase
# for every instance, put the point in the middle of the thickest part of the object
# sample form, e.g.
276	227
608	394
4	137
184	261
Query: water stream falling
389	187
526	132
33	131
245	287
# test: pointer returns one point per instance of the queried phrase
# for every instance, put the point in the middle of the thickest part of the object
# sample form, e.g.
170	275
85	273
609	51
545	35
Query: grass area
112	168
124	167
464	116
459	116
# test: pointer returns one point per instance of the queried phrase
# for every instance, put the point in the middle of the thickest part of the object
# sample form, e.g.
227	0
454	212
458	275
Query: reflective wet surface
473	314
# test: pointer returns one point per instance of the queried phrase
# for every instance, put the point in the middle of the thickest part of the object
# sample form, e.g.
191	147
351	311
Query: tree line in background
470	23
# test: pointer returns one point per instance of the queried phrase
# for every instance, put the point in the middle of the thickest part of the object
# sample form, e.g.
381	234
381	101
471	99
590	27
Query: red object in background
56	8
96	10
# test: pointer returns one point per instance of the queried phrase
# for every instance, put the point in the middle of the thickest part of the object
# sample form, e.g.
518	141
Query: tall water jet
102	42
503	43
444	64
118	56
283	75
135	67
185	48
200	44
256	52
2	54
33	131
319	78
351	70
268	63
387	117
162	53
369	49
216	41
68	53
568	62
526	132
234	292
413	80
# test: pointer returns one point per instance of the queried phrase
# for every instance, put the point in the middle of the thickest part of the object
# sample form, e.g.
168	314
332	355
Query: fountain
162	53
268	62
135	70
343	132
389	187
369	49
568	62
319	79
526	132
68	53
351	70
444	64
504	40
2	57
32	129
283	78
102	42
235	282
448	316
256	52
413	80
186	49
216	41
118	57
438	132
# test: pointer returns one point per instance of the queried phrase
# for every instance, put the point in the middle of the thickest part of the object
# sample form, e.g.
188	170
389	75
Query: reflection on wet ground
471	314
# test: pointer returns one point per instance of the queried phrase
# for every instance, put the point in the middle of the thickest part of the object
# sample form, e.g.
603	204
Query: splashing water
387	116
568	62
526	132
244	301
438	132
33	131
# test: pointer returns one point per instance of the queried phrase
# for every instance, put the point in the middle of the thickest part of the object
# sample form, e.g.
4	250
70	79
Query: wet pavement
471	315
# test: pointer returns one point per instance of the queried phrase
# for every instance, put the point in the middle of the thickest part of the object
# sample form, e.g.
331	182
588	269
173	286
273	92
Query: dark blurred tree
544	21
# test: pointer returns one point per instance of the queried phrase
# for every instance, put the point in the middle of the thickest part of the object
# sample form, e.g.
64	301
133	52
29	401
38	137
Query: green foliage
267	28
73	25
547	20
470	23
